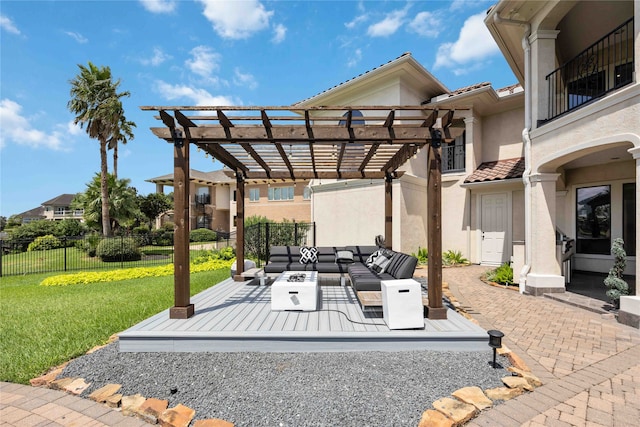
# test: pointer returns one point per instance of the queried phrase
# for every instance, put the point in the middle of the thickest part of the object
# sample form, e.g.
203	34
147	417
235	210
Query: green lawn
42	326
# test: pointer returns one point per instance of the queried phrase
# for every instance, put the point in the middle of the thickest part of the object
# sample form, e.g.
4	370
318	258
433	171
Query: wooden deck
236	316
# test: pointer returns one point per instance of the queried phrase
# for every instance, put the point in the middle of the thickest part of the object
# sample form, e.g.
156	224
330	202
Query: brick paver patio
589	364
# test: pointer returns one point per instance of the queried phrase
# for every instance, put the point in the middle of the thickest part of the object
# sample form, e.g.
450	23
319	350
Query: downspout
526	140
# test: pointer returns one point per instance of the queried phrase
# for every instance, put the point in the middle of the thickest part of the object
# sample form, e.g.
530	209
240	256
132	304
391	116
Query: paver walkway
22	405
589	364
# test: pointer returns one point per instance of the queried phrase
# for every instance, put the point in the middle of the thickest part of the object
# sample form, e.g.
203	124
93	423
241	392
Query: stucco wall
351	213
297	209
501	135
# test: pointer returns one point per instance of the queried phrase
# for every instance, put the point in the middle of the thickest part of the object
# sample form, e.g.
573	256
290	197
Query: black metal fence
258	238
20	256
601	68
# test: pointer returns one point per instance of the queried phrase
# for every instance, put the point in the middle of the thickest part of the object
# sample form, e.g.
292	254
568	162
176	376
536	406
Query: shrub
162	237
224	254
120	249
44	243
422	254
202	235
502	275
614	282
451	257
69	228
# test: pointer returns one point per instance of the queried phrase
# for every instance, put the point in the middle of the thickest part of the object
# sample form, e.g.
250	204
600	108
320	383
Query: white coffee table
295	295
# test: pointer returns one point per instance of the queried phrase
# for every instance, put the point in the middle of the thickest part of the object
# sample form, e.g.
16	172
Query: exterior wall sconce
495	342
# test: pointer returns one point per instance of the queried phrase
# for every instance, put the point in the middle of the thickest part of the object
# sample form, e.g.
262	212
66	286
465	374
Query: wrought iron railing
203	199
259	238
453	158
601	68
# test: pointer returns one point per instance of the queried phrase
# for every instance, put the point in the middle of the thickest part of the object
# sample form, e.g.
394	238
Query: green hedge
202	235
120	249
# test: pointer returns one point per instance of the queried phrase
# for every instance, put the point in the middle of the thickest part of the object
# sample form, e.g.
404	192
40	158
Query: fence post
267	238
295	234
64	242
313	224
121	252
1	254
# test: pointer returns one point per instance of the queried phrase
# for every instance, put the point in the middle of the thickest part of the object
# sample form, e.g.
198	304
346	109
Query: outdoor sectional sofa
363	277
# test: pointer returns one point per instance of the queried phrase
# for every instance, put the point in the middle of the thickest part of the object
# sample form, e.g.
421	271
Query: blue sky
243	52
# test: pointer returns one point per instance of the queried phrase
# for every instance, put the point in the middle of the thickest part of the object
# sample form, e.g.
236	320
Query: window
629	218
254	194
306	195
624	75
453	155
593	220
234	195
280	193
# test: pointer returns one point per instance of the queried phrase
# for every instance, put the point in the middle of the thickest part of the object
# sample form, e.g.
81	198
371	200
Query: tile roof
61	200
33	213
469	88
497	170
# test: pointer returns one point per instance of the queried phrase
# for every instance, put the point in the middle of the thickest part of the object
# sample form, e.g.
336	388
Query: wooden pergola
282	143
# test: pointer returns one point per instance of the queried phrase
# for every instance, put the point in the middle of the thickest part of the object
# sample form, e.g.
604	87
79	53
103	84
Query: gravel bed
294	389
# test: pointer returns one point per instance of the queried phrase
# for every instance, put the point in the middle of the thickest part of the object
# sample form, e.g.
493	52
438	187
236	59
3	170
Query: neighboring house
578	62
56	209
213	199
482	189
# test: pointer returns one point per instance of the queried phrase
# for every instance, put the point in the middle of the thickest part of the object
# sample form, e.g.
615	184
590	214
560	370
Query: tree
3	222
13	221
122	199
121	134
97	104
154	204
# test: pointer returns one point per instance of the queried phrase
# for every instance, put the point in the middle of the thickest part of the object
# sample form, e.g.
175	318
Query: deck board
237	316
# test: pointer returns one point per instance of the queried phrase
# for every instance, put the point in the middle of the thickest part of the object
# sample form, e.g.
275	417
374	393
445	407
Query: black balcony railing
203	199
601	68
453	158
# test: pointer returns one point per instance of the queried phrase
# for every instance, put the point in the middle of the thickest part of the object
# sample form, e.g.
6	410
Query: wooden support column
239	227
183	309
435	310
388	211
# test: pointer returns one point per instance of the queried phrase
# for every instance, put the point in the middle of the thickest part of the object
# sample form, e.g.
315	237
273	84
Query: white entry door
494	228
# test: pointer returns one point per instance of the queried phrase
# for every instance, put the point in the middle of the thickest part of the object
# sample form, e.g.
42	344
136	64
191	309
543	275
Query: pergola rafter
282	143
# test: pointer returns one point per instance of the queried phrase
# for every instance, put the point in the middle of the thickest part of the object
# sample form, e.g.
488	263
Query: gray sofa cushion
402	266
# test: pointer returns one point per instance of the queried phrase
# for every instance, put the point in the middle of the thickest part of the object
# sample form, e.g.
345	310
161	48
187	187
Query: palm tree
96	103
123	202
122	132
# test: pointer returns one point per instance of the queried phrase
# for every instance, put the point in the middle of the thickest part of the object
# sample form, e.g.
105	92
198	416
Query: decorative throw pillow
372	258
308	255
381	262
344	257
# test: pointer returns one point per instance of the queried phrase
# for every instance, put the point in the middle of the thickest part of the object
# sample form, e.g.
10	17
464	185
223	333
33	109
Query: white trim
496	183
590	110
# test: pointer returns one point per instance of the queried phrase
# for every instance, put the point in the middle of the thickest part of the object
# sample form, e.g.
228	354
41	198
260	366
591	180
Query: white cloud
355	59
204	61
474	44
73	129
158	58
159	6
77	36
356	21
8	25
389	25
427	24
236	19
16	128
279	33
244	79
196	96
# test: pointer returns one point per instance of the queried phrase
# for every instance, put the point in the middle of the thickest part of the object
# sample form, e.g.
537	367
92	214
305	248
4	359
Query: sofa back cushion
289	254
361	253
402	266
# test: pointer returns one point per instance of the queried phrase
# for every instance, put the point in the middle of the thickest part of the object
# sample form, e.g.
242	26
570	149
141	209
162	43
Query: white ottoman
402	304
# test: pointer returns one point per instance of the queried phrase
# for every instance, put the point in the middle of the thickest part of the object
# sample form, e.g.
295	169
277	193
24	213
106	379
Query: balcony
68	213
601	68
203	199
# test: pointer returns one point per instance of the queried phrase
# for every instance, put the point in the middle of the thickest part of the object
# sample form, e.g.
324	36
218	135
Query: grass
42	327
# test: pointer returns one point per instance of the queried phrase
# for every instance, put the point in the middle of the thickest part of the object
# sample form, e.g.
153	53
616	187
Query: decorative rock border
151	410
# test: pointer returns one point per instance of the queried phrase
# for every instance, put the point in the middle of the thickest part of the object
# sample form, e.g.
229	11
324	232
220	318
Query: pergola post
388	211
183	309
239	227
435	310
